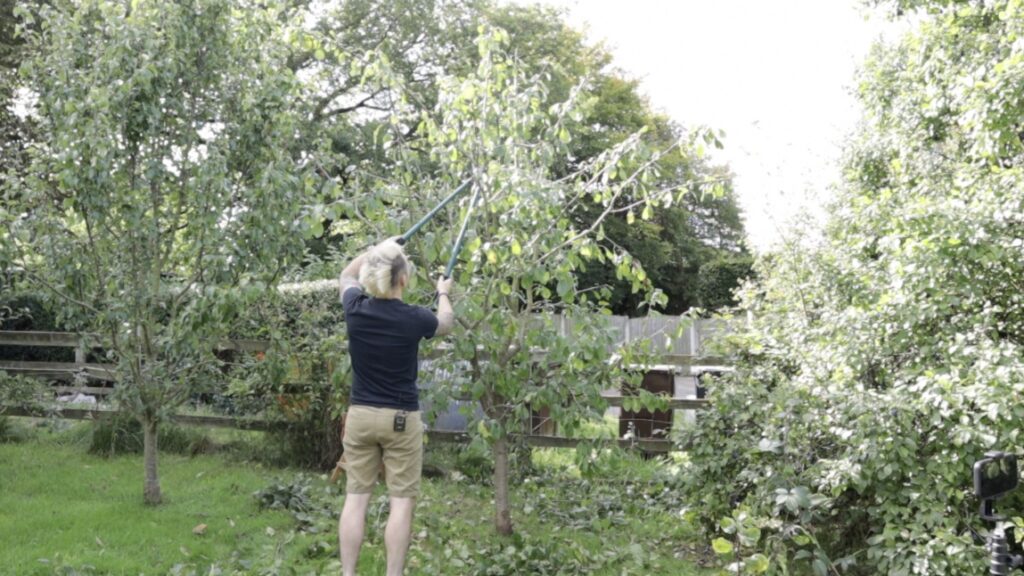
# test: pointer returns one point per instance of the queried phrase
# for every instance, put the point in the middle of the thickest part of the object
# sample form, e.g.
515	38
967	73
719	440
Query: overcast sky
776	75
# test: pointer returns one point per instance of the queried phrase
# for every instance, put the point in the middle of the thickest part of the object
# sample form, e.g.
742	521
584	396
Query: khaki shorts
370	438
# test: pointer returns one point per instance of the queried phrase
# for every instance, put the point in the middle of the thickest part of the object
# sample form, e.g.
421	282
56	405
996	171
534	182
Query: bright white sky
776	75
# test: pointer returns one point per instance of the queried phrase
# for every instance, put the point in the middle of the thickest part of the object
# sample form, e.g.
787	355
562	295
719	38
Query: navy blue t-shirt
383	341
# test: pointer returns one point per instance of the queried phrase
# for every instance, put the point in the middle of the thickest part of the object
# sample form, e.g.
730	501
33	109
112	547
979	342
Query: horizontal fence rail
60	370
442	436
673	403
94	414
682	358
90	340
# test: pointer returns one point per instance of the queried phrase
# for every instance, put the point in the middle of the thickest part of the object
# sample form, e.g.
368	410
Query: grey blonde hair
384	268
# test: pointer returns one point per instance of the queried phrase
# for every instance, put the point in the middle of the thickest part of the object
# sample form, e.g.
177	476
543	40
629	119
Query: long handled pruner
430	215
462	235
460	239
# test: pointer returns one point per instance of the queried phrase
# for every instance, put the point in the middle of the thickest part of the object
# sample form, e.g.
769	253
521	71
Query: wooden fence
682	357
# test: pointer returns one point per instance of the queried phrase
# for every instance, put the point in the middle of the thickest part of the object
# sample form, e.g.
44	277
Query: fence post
695	338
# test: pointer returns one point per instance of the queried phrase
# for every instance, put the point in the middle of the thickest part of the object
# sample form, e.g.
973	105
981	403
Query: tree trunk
151	490
502	516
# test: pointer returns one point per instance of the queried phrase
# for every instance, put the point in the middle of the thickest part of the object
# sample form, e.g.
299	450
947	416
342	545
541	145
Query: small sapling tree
530	338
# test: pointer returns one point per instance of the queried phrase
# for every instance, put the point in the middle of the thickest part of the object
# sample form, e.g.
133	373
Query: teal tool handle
416	227
462	235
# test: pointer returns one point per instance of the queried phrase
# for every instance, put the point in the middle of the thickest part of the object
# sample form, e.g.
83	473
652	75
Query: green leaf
722	546
563	288
750	535
758	564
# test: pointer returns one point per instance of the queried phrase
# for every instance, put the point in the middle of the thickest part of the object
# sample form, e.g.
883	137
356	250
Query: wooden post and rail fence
97	379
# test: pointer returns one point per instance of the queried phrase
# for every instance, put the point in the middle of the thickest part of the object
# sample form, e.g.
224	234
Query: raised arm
350	275
445	313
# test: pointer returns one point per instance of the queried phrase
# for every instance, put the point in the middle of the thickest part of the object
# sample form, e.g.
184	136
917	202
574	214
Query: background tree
161	192
886	358
718	279
15	130
373	61
677	238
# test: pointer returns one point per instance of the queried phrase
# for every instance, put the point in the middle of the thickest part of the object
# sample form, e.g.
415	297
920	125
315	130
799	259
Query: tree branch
364	103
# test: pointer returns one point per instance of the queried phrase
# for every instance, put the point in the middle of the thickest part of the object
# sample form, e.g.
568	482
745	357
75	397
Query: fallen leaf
100	543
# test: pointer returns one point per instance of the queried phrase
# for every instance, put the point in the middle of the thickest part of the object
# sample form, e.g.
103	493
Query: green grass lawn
63	511
62	507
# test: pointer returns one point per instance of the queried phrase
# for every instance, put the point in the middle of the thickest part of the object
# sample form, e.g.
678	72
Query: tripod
1006	553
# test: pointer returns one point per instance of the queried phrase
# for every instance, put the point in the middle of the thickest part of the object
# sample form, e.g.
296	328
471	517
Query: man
383	423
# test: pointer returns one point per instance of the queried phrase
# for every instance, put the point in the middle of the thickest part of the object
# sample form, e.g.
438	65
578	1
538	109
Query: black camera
995	476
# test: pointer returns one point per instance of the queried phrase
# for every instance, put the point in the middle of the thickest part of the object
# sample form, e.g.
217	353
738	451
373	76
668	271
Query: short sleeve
426	323
351	294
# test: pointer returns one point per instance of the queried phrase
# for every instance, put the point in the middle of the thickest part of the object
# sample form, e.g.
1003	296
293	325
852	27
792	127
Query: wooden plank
92	390
73	340
48	375
244	345
449	436
673	403
66	413
47	339
57	369
563	442
228	422
681	363
86	414
248	424
617	399
691	360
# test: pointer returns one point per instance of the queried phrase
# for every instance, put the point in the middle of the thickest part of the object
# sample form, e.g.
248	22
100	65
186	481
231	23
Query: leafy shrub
719	279
315	510
303	379
525	555
474	461
886	357
13	431
123	435
21	391
7	433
